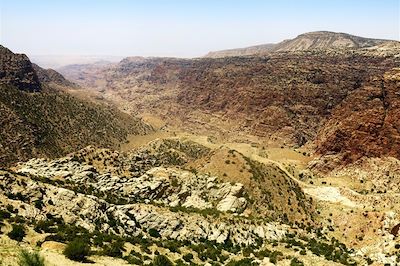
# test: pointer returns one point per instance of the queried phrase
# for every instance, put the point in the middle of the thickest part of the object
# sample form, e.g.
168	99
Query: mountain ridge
305	41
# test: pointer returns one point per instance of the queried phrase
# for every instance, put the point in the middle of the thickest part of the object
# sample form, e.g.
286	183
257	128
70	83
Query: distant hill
80	72
58	61
252	50
318	40
325	40
50	76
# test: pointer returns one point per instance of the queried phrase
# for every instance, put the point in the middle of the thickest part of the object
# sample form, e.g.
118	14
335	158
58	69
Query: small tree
296	262
162	260
114	249
17	232
188	257
77	250
26	258
154	233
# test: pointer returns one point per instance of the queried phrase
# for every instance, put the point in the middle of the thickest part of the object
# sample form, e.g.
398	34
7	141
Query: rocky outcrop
170	187
376	174
35	183
16	70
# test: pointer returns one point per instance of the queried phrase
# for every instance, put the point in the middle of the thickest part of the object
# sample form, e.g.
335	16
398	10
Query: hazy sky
183	28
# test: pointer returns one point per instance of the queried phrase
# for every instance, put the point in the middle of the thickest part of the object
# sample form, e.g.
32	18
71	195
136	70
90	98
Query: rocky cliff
17	70
365	123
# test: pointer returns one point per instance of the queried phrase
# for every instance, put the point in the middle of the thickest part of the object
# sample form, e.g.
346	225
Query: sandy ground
331	194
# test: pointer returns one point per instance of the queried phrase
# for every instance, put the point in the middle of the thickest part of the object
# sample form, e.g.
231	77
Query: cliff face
17	70
342	102
291	95
366	123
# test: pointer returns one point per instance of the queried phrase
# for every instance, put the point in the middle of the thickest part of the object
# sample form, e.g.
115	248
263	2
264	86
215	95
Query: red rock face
294	92
366	123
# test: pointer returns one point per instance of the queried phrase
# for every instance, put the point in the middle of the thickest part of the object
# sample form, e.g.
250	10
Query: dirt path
322	193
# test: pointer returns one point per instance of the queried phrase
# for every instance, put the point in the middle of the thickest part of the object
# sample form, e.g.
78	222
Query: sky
182	28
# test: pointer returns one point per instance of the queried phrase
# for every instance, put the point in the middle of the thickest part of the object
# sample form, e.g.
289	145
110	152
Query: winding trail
322	193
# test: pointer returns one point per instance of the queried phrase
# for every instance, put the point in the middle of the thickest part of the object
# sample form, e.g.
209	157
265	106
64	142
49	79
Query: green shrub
11	209
133	260
45	226
114	249
17	232
26	258
162	260
175	182
242	262
154	233
4	214
38	204
180	262
247	251
188	257
275	256
296	262
172	245
77	250
263	253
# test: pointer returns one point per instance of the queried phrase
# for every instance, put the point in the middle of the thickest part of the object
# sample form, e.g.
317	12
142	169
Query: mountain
17	70
252	50
326	40
82	72
35	121
280	158
318	40
284	97
322	101
59	61
50	76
